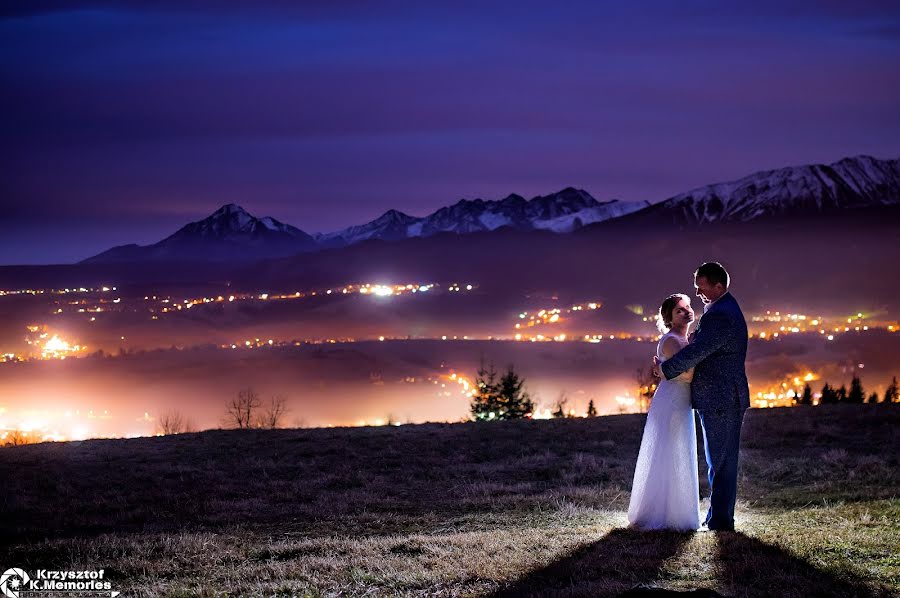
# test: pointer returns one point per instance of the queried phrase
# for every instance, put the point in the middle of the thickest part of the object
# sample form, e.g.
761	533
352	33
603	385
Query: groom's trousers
721	439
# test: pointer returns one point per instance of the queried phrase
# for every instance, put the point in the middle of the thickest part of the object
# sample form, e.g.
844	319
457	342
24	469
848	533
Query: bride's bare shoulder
670	344
662	340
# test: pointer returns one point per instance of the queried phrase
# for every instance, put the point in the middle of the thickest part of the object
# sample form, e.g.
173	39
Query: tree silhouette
856	394
892	394
18	438
484	401
561	402
842	393
274	412
500	399
241	410
806	397
873	398
591	411
514	401
172	421
828	395
646	381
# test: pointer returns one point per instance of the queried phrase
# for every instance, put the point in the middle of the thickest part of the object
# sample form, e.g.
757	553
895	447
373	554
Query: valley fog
379	383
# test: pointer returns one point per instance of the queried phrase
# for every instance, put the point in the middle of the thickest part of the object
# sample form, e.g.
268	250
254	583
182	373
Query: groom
719	391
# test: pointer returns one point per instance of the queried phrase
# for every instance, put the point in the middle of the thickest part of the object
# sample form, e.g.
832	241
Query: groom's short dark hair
713	272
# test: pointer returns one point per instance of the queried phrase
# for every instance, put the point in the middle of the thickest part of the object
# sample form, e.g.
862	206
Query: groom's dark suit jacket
717	355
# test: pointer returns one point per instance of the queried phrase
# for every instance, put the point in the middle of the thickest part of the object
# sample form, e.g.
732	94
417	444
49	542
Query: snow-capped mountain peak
229	218
229	208
229	233
392	225
231	221
857	182
392	216
852	182
563	211
861	181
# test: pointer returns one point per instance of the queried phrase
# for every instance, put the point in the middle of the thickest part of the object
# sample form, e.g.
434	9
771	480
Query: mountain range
859	182
232	234
561	212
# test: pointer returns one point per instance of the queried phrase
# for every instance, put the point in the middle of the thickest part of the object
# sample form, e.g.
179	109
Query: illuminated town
57	339
554	323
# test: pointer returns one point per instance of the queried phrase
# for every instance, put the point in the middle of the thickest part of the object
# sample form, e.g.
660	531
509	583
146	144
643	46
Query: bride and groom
702	372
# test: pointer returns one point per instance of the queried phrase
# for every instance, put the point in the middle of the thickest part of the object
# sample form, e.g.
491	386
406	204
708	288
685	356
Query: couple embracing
702	371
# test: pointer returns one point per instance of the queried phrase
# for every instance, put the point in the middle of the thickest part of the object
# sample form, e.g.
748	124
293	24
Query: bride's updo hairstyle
664	321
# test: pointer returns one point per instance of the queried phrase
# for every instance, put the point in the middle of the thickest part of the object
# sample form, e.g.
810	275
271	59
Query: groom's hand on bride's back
691	336
655	368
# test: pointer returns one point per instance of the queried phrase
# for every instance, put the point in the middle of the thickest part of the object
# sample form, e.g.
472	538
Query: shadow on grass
625	559
750	567
620	560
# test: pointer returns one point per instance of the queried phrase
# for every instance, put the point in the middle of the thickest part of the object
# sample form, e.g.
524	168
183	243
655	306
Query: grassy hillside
506	508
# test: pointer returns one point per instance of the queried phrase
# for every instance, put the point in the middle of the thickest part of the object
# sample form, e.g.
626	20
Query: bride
665	491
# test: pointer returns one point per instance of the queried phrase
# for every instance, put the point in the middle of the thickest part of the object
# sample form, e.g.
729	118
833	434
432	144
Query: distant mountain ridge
561	212
231	233
859	182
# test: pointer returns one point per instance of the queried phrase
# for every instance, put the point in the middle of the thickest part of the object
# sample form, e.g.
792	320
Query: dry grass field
498	509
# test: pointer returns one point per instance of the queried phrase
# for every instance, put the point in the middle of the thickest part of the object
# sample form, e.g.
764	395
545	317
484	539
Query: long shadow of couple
626	558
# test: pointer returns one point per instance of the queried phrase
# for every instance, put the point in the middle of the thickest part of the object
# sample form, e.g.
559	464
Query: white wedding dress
665	491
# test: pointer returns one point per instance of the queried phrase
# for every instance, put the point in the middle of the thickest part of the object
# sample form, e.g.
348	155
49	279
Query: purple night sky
122	121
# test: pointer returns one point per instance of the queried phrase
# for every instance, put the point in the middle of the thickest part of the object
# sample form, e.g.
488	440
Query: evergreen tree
873	398
592	411
500	399
842	394
485	405
514	402
806	397
892	394
828	395
856	394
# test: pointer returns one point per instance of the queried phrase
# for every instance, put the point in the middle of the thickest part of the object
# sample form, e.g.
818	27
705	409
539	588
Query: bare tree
646	381
171	421
17	438
240	411
274	412
561	401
